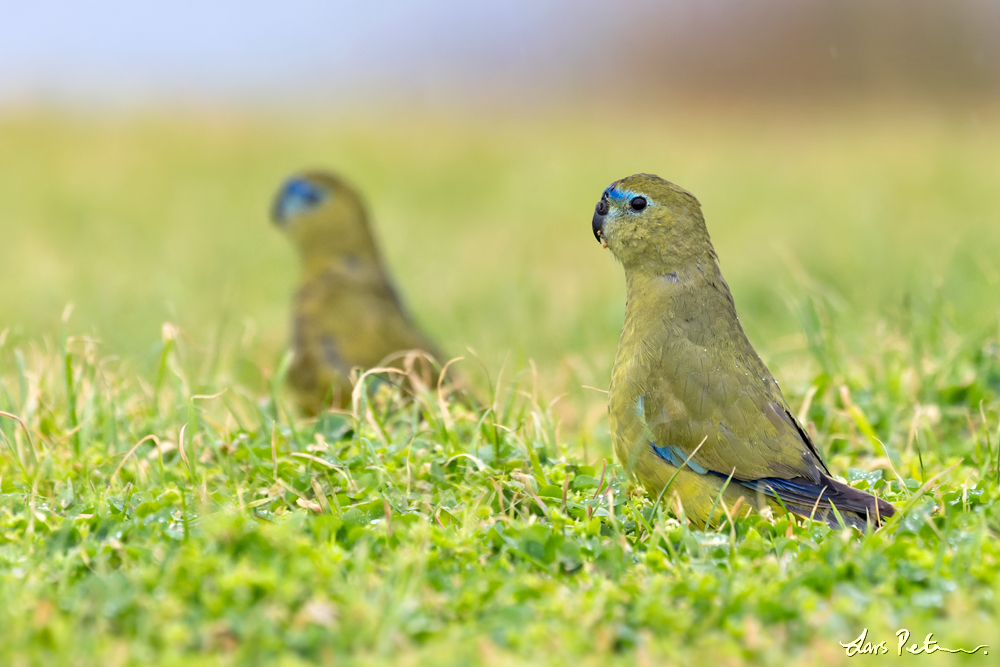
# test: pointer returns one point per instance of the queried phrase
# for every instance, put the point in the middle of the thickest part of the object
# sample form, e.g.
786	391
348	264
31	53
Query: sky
99	52
124	51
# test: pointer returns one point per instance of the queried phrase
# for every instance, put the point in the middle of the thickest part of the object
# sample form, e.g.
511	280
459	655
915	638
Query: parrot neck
347	265
661	277
340	243
696	284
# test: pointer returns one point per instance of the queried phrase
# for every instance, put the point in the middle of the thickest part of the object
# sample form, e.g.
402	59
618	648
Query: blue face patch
297	196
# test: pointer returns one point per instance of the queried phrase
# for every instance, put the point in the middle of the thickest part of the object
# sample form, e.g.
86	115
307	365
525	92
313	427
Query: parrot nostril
602	207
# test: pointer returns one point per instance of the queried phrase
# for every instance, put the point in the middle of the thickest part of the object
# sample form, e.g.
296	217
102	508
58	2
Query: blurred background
846	153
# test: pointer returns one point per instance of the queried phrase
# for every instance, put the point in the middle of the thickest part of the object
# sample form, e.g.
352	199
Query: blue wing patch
799	493
797	489
675	456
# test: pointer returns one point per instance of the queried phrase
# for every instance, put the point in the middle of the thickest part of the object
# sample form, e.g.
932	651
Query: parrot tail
800	494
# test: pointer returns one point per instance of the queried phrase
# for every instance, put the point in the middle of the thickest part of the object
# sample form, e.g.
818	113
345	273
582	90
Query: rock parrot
688	391
347	312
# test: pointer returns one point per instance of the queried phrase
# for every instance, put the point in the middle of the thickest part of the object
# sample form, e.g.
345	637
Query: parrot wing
696	380
745	430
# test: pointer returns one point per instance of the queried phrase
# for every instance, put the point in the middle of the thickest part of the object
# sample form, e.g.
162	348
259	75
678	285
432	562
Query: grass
160	503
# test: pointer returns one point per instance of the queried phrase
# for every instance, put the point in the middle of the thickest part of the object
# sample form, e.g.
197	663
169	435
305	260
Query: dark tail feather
799	495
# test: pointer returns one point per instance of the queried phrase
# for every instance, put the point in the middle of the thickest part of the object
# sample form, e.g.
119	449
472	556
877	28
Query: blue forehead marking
616	194
297	196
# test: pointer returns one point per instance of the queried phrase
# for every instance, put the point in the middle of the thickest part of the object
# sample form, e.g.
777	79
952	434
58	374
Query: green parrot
688	392
347	312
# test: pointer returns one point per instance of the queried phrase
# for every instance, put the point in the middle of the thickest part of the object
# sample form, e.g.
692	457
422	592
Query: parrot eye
638	203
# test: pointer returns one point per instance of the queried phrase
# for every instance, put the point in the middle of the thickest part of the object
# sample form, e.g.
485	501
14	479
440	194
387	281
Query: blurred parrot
347	312
688	392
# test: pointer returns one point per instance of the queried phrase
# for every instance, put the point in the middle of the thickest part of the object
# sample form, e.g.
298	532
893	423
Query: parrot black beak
278	216
598	222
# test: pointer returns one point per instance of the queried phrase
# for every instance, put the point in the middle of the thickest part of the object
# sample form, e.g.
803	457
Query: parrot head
323	215
648	222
